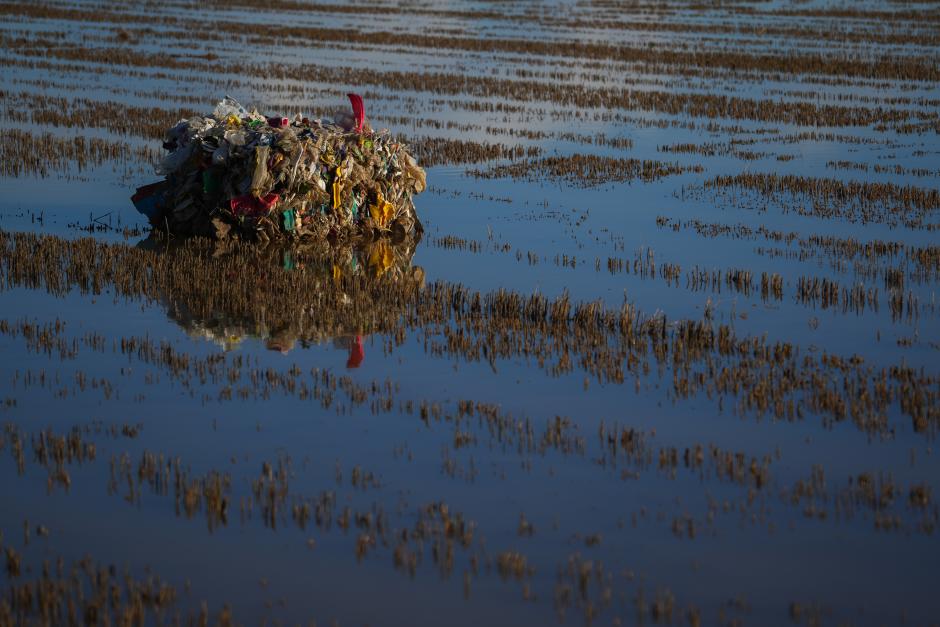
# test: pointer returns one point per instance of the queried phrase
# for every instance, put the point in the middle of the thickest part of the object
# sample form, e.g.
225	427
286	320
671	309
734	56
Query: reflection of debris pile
239	174
348	281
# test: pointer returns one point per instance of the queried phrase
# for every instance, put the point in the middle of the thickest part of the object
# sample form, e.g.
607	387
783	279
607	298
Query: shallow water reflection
349	276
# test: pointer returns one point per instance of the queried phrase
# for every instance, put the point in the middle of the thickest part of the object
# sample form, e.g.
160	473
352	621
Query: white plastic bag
175	160
229	106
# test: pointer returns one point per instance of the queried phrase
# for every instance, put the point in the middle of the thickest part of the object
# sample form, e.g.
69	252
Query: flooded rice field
667	351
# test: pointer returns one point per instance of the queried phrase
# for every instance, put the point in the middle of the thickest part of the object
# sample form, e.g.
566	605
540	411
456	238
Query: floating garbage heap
239	174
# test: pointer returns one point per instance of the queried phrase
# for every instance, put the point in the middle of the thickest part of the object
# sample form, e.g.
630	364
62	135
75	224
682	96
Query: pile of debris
239	174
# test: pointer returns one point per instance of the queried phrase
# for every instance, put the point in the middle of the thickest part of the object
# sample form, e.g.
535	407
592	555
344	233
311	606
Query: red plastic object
278	122
359	110
249	206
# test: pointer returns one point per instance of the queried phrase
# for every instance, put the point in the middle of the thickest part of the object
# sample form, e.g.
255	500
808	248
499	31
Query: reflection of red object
356	353
359	110
248	205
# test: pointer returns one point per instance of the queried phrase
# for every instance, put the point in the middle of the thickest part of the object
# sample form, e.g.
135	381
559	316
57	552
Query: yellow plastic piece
337	187
382	211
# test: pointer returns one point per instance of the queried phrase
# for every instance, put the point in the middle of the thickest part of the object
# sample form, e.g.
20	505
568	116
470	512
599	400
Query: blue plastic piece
150	200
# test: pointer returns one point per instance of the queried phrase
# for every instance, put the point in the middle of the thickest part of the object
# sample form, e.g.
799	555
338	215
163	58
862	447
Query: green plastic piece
210	184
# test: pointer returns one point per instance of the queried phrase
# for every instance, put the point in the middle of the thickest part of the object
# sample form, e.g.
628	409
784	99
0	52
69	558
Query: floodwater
671	359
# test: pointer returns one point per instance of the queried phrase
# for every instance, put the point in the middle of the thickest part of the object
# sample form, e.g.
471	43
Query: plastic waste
288	221
238	173
175	160
235	138
228	106
210	183
359	110
253	206
150	199
220	154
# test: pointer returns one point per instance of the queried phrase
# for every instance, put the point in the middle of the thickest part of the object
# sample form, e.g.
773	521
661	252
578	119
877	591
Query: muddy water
666	353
